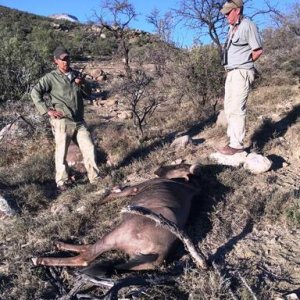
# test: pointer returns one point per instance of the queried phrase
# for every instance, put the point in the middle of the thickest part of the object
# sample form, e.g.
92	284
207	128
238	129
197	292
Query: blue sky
83	10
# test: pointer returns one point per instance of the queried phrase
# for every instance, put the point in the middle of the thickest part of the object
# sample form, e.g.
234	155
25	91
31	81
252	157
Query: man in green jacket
66	89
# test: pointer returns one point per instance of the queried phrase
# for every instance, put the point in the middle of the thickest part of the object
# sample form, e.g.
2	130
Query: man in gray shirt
242	48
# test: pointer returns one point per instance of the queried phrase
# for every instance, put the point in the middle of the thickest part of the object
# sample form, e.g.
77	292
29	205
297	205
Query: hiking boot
227	150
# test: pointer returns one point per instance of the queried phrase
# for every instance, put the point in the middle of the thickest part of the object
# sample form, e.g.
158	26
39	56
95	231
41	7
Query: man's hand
256	54
79	80
55	114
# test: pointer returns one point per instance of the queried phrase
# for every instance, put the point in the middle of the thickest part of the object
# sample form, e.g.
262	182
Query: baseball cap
230	5
61	52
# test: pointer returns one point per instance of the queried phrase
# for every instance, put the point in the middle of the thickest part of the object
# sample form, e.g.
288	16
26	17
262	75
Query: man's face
233	16
63	64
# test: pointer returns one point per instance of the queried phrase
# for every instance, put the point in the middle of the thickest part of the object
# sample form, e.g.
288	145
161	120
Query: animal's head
184	171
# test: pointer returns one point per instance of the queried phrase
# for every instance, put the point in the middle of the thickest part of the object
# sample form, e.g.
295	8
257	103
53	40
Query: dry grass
246	223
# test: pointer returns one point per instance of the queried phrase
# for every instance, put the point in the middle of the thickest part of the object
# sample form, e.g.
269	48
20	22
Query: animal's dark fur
139	237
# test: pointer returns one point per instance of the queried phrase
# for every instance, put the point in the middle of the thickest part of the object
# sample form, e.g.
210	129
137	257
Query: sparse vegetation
247	224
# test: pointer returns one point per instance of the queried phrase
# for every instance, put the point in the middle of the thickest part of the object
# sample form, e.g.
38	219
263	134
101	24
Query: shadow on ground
270	129
143	152
212	192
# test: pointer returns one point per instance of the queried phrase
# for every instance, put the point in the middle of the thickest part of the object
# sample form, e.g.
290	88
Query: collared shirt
65	95
244	40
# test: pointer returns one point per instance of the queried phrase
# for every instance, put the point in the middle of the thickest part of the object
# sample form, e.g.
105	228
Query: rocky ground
246	224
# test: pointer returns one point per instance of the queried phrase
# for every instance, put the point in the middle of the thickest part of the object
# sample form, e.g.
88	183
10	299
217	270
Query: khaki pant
237	88
64	131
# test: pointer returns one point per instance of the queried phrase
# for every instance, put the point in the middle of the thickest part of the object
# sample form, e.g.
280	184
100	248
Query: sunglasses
66	58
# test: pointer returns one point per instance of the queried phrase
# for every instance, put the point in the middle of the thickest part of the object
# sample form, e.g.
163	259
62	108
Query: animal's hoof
116	189
58	245
35	261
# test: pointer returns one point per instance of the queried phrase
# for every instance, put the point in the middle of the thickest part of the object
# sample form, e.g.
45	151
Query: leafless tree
115	17
161	52
206	18
290	20
143	97
163	25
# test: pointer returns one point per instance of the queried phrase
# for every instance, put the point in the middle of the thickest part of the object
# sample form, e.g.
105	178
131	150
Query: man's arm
37	95
254	41
256	54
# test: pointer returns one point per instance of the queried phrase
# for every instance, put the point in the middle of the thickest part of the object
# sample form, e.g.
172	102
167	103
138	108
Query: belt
229	70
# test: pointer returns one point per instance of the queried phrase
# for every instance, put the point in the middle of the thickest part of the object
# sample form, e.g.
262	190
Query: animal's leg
76	261
88	253
70	247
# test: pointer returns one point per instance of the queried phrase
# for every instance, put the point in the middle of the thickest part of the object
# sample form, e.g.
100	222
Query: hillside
246	224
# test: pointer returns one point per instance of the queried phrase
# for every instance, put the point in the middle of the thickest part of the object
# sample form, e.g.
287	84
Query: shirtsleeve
39	90
254	39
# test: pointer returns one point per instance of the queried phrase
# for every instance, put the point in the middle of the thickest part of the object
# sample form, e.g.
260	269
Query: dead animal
146	244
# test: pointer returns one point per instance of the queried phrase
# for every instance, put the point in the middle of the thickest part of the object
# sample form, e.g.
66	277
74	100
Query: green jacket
65	95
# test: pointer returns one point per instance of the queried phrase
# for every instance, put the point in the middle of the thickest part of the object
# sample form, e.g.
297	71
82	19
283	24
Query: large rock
229	160
256	163
64	17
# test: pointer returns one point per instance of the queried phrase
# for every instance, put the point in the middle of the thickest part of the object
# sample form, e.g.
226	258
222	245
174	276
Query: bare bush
121	12
142	96
163	25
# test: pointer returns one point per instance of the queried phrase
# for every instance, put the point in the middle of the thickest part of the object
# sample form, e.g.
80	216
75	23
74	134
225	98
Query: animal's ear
158	171
187	178
174	171
195	169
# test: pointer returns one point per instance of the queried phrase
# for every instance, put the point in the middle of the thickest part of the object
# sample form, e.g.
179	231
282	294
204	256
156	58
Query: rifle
81	75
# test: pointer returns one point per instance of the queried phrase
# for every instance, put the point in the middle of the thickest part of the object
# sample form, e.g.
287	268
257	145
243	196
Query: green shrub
199	76
281	49
21	65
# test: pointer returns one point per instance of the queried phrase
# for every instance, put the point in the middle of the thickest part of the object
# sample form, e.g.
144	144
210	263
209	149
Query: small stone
125	115
5	209
292	296
177	161
80	209
181	142
60	209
